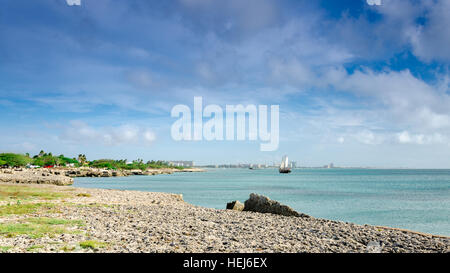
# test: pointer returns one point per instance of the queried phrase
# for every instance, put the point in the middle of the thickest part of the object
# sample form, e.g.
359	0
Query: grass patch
14	192
38	227
54	221
34	231
94	205
68	248
4	248
29	208
92	244
84	195
34	247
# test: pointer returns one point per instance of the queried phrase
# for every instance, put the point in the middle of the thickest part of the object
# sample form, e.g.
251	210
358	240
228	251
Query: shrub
14	160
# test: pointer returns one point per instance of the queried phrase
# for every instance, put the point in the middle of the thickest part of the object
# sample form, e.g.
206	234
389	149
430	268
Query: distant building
181	163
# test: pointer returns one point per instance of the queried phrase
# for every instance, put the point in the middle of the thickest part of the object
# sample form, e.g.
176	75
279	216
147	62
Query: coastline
134	221
63	176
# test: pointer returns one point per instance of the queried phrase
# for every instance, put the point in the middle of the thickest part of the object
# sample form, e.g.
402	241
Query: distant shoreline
334	168
64	175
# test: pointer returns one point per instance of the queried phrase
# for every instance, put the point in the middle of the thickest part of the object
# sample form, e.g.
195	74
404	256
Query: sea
411	199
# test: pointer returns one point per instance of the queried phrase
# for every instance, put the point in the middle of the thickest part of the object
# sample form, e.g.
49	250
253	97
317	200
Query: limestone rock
261	203
235	205
27	177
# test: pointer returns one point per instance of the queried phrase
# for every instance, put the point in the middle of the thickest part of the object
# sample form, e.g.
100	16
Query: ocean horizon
413	199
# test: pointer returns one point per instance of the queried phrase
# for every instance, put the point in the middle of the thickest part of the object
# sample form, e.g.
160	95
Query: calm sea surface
412	199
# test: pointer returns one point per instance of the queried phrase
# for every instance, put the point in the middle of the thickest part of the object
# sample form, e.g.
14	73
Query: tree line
44	159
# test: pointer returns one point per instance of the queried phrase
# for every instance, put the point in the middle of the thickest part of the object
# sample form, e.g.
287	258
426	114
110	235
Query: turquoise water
411	199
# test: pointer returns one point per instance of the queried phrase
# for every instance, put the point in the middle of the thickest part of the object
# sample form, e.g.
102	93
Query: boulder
261	203
235	205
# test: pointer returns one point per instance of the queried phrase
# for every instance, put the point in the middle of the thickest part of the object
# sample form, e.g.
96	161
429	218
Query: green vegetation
34	227
31	248
42	160
15	160
13	192
4	248
54	221
38	227
92	244
84	195
29	208
18	196
47	159
82	159
67	248
123	165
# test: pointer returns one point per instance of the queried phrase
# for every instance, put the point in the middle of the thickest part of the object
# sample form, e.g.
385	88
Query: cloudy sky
359	82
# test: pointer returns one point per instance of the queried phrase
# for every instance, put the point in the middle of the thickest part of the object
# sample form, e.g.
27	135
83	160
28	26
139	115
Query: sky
358	82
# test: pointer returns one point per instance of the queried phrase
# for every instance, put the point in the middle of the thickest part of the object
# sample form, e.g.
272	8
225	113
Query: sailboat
284	167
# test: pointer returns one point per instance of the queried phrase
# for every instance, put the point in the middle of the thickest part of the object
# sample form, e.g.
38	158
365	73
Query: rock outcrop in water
235	205
263	204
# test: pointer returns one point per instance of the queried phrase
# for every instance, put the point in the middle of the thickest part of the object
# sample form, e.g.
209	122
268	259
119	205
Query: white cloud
79	132
430	41
73	2
374	2
409	100
368	137
407	138
149	136
421	25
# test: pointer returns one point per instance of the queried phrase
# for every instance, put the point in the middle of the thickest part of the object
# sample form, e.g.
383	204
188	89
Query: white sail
284	162
284	166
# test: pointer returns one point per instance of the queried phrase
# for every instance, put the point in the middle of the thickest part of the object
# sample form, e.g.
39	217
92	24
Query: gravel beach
98	220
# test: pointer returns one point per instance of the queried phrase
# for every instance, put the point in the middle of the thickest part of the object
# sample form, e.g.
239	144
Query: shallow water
411	199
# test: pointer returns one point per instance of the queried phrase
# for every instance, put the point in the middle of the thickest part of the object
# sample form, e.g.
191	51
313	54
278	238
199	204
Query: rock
178	197
235	205
30	177
261	203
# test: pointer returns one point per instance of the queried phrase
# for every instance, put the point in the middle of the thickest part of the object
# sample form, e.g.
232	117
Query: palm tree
82	159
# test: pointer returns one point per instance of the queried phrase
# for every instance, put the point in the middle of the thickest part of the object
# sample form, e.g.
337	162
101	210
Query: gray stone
235	205
28	177
261	203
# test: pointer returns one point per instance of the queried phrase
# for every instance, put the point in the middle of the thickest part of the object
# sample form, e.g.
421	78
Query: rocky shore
64	176
22	176
98	220
95	172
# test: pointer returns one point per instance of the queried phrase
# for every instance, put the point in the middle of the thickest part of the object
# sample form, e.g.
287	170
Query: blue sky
359	82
